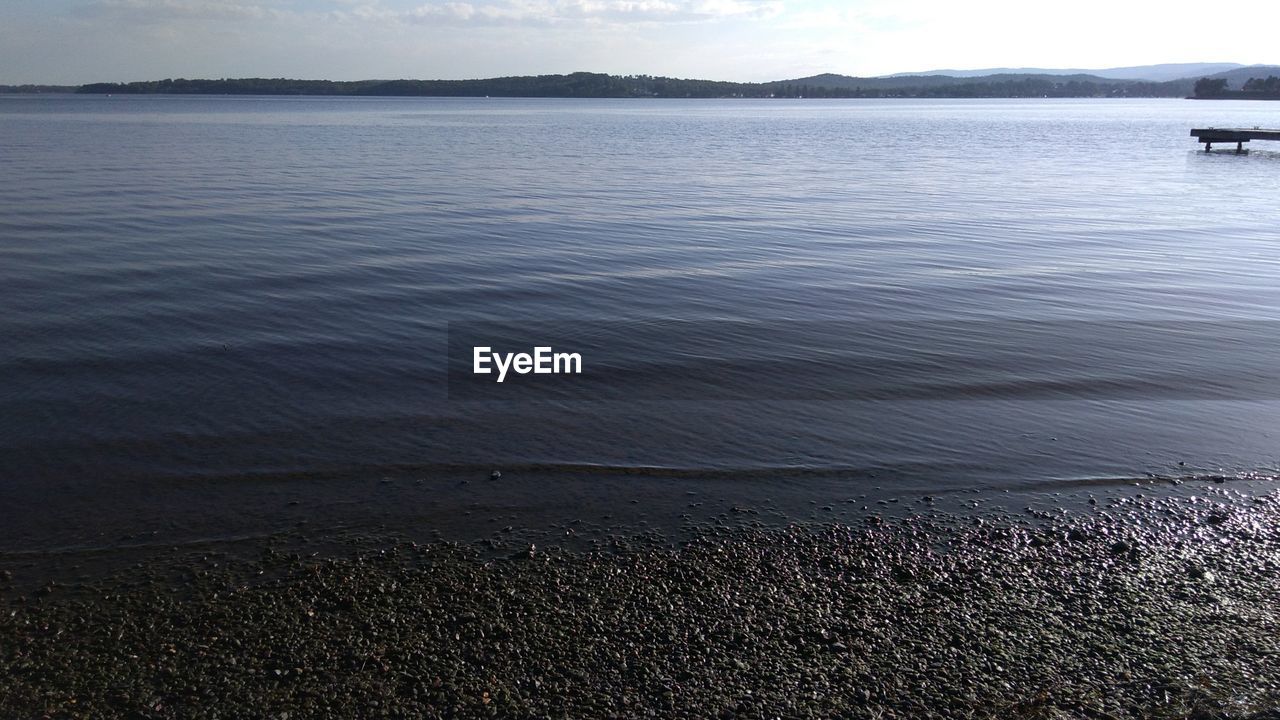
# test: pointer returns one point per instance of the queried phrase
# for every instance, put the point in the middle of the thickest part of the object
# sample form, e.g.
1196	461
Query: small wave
1144	479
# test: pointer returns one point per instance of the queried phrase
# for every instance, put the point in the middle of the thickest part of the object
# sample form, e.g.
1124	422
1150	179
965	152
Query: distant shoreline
1185	80
599	85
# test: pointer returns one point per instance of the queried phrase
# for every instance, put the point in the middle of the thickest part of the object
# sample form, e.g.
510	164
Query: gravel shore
1164	607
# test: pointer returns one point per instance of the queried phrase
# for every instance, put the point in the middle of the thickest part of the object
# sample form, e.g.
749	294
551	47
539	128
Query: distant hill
597	85
1151	73
1168	80
1259	82
1240	75
964	84
1010	85
932	81
573	85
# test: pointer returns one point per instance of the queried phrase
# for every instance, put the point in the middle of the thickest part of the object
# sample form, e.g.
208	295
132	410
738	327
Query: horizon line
998	70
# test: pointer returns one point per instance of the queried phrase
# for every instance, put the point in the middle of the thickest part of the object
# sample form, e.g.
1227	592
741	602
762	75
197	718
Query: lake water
932	295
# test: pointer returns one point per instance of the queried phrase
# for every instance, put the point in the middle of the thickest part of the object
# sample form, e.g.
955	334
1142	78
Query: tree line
599	85
1267	88
37	89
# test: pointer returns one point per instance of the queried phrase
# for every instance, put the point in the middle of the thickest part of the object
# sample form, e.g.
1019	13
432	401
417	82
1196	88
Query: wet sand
1143	605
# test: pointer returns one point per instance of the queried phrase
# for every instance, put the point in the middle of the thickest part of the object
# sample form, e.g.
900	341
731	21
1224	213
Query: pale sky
79	41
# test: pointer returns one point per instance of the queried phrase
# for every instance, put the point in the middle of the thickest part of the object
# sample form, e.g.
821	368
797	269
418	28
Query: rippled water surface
231	286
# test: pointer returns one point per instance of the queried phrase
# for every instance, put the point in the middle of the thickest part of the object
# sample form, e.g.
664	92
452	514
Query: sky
81	41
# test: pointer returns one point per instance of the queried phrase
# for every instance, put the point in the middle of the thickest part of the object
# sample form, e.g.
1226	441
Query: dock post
1239	147
1208	146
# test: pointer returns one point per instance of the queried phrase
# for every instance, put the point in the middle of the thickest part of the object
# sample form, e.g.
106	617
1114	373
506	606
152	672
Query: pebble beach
1157	606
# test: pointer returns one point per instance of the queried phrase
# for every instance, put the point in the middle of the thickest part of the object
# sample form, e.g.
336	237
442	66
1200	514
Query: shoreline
1149	605
74	532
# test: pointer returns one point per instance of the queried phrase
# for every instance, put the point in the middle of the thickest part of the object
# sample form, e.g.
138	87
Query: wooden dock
1239	136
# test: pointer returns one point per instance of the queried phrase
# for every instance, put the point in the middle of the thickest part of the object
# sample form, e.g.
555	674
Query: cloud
158	11
739	8
386	14
549	12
